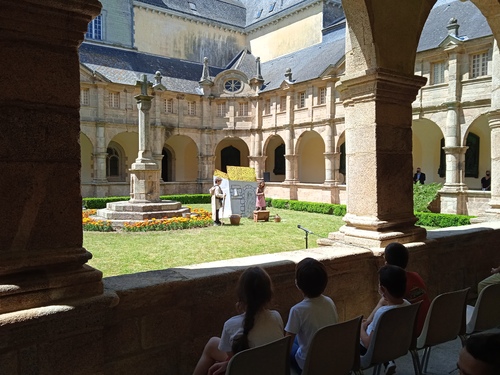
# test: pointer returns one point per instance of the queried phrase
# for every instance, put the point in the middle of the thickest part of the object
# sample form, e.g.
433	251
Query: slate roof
230	12
306	64
126	67
258	10
244	62
472	23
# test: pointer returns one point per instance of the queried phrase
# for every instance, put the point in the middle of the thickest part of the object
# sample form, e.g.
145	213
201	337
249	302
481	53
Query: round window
232	85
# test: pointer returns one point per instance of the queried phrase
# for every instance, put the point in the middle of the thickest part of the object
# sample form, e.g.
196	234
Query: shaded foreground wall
158	322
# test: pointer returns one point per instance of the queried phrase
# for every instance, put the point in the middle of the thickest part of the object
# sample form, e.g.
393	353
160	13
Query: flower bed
91	224
199	218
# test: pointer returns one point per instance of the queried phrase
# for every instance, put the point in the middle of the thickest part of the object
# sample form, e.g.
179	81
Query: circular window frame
235	85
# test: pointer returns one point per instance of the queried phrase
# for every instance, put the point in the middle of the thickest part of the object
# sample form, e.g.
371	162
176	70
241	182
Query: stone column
329	161
289	154
144	173
206	158
291	168
206	168
259	165
378	135
493	213
453	195
329	168
100	155
336	167
494	122
42	260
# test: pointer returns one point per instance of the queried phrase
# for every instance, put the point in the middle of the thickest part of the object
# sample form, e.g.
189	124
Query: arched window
114	164
279	160
230	156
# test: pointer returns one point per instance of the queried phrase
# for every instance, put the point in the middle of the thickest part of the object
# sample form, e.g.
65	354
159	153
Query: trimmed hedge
424	218
430	219
320	208
96	203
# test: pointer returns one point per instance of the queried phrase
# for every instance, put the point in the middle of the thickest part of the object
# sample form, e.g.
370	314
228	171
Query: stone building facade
272	102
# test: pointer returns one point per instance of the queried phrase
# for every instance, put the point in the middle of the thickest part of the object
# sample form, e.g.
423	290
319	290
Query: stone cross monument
145	202
144	173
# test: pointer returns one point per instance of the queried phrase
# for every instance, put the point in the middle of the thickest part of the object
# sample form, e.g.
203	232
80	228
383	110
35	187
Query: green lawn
118	253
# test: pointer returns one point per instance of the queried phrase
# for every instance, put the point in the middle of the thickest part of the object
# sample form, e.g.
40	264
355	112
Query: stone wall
164	318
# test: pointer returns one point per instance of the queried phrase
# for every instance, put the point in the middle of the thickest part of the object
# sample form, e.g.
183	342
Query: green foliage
96	203
279	203
321	208
423	195
428	219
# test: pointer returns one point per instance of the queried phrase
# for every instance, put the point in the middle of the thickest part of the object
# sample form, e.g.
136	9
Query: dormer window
94	29
259	13
271	8
192	6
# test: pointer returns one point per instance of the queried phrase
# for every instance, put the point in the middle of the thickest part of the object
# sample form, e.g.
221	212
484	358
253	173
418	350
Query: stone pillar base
48	287
372	232
453	201
145	183
368	238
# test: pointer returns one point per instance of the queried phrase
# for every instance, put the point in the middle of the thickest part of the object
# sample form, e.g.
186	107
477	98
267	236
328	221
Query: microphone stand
307	231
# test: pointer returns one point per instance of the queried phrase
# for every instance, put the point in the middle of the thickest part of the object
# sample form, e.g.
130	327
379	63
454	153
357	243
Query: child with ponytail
254	326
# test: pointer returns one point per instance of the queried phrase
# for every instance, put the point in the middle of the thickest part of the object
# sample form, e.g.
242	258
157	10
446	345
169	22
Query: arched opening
230	156
478	155
275	161
232	152
427	150
181	160
166	165
311	149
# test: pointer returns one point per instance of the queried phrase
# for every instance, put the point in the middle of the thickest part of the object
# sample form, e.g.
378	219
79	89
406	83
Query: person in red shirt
396	254
416	290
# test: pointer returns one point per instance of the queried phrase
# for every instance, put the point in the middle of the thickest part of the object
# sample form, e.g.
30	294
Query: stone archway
377	91
311	164
274	150
231	151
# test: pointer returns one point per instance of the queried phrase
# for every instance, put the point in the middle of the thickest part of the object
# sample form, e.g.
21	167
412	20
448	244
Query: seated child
416	291
255	326
315	311
392	286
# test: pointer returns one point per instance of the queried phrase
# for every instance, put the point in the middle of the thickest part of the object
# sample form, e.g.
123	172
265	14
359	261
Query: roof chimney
453	27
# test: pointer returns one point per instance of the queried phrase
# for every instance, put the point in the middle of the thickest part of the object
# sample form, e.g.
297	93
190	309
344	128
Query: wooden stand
261	215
